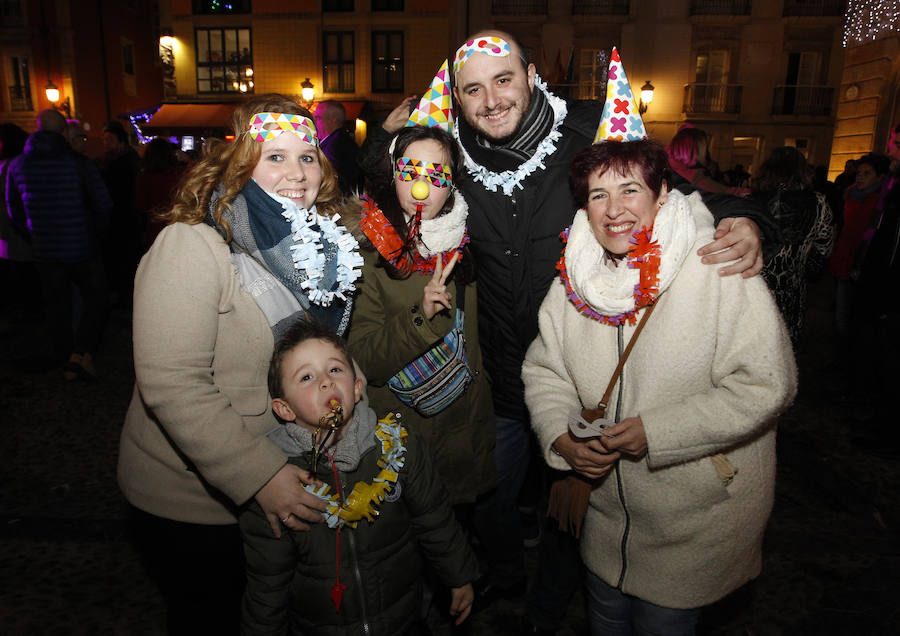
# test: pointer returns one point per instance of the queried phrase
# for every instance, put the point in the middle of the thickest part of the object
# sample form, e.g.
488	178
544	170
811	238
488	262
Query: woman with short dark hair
679	474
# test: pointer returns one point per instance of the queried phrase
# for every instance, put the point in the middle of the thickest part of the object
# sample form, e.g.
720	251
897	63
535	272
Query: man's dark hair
295	335
114	127
643	155
880	163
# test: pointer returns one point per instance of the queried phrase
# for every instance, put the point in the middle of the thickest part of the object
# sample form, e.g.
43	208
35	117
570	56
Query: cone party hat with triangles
435	109
621	120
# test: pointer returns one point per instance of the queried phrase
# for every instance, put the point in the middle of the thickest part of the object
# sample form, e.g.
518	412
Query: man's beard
499	141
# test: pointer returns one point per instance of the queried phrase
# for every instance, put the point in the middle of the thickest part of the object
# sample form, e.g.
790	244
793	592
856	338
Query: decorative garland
643	255
389	244
509	180
365	497
308	228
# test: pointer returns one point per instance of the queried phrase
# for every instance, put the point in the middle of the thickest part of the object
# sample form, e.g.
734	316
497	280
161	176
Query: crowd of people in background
287	284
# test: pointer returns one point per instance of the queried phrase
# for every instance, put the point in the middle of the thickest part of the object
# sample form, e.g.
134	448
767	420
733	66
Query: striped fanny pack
434	380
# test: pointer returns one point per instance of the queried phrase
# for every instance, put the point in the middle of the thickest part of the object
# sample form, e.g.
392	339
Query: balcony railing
720	7
600	7
712	98
519	7
20	98
815	7
802	100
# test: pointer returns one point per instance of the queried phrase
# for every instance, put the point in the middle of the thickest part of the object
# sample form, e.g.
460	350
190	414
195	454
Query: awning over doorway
191	116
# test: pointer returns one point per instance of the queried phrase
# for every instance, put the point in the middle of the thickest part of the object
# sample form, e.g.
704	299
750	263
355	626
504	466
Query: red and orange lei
389	244
643	255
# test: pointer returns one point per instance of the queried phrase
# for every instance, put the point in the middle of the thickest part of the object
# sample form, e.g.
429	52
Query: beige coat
709	373
194	440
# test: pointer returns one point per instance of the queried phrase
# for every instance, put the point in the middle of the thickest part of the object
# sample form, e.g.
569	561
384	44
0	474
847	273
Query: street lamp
646	96
52	93
307	93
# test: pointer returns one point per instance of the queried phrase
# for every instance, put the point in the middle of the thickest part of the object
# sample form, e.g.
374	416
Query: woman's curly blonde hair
230	164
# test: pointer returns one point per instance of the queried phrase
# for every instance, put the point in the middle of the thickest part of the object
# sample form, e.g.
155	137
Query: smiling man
518	140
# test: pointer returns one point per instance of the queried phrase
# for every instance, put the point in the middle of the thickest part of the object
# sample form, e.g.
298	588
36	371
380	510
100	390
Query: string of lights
868	20
141	118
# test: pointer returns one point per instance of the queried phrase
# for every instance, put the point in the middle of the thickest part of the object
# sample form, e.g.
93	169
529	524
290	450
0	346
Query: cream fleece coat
194	442
710	372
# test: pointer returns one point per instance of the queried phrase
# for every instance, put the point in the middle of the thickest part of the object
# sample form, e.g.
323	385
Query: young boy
360	571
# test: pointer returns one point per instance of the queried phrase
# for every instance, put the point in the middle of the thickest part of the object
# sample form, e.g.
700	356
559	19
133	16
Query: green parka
387	331
289	580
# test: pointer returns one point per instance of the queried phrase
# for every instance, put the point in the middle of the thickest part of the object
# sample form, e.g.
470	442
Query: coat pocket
247	400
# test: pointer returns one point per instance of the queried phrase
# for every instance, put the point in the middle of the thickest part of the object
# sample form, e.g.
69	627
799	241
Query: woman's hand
628	437
461	599
739	240
286	502
586	457
435	296
399	116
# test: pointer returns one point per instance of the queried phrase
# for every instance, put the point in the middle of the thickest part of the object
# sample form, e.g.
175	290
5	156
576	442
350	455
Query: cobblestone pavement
66	566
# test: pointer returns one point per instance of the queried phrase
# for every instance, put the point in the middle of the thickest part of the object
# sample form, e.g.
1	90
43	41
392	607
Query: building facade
754	74
101	55
368	54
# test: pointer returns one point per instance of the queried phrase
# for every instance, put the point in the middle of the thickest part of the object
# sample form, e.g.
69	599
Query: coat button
418	321
414	309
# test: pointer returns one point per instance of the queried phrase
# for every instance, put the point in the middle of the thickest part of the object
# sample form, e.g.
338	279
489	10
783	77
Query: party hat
621	120
435	108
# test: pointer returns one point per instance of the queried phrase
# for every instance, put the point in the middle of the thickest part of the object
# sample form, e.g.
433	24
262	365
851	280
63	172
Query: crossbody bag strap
618	371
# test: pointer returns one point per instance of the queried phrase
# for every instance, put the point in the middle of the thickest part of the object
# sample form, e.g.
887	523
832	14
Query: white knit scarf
609	288
445	232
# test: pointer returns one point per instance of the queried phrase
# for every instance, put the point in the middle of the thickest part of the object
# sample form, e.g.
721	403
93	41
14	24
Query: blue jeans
612	613
496	516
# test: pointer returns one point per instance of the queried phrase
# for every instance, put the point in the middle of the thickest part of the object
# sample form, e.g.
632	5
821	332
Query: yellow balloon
420	190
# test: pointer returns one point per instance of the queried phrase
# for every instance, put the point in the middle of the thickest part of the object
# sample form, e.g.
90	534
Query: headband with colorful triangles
435	109
621	120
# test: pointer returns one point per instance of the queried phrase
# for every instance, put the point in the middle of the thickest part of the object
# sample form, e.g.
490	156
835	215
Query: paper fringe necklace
384	237
644	256
365	498
308	253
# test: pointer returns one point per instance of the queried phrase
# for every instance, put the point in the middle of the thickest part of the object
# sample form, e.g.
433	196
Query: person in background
155	187
18	275
783	182
237	264
119	167
688	160
861	202
76	136
338	145
56	197
847	177
879	310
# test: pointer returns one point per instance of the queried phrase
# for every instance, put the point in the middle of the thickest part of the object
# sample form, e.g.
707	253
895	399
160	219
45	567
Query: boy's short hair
294	335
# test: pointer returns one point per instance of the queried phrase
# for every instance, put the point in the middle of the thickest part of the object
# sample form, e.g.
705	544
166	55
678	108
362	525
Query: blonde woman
251	246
